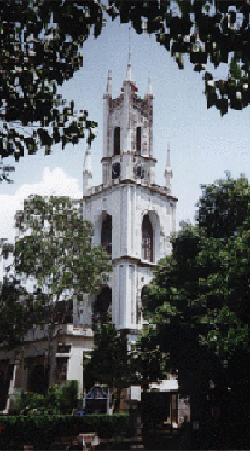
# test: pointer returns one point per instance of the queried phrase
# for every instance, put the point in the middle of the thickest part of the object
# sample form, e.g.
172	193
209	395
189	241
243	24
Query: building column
18	380
124	295
10	401
52	373
174	217
75	369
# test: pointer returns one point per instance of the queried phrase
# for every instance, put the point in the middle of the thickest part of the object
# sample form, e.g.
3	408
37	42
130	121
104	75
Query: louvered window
147	239
106	238
138	139
117	140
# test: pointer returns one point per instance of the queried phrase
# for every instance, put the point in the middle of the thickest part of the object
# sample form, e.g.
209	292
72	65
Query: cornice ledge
134	260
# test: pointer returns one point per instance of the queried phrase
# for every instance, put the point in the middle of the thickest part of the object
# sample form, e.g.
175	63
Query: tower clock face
139	171
116	170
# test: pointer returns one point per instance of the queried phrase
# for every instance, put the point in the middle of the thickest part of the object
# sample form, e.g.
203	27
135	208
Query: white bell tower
133	217
127	134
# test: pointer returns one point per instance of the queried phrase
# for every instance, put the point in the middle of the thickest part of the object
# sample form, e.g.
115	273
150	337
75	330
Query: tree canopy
213	31
55	247
15	319
19	309
55	250
14	316
41	44
198	302
115	370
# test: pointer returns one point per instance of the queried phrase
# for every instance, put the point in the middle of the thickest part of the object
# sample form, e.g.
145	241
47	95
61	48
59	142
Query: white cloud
55	182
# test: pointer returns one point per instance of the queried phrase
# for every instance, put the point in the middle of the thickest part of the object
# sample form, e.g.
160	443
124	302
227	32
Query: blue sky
203	144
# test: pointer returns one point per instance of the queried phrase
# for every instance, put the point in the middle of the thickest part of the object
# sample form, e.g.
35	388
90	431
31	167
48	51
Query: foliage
41	43
68	396
40	50
55	249
224	208
18	312
4	172
205	281
19	309
208	32
123	364
42	430
110	349
30	403
147	360
58	401
5	248
115	370
58	252
198	303
12	312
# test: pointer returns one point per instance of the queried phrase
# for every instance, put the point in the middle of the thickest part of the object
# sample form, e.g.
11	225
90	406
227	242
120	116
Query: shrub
68	397
41	431
60	400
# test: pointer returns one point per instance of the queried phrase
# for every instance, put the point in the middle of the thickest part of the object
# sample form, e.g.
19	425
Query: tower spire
168	171
128	76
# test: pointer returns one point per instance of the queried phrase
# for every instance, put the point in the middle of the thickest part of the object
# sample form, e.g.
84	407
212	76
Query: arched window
106	237
102	308
138	139
147	239
117	146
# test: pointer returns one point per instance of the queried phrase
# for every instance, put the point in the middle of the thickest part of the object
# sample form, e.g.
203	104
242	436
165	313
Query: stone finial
87	173
109	83
149	86
87	160
128	75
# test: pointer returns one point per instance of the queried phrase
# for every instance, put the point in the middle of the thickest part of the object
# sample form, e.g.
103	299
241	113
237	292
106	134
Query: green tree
213	31
19	311
198	304
6	248
4	172
224	208
16	304
59	400
41	44
55	249
110	362
14	317
124	364
147	359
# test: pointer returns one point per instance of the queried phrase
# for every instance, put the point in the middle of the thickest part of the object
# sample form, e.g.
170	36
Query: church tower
133	217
